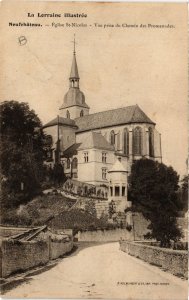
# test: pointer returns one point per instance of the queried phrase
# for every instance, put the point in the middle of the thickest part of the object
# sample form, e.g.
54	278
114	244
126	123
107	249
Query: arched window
151	142
118	141
74	163
68	164
81	113
126	141
68	114
137	141
112	137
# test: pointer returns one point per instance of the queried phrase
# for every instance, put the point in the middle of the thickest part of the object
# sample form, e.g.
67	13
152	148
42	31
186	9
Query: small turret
118	186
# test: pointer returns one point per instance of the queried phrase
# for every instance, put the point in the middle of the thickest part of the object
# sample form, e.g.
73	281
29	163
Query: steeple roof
74	70
74	96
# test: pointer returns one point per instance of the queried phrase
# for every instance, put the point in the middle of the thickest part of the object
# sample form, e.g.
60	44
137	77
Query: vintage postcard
94	162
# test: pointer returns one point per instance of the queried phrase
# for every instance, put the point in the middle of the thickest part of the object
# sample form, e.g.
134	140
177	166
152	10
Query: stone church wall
66	134
80	137
157	145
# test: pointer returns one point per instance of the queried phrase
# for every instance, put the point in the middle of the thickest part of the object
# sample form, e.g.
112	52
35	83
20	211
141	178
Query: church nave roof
120	116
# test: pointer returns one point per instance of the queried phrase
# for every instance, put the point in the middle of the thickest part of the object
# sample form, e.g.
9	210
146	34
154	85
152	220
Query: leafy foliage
54	176
90	207
183	194
20	124
77	219
21	153
153	191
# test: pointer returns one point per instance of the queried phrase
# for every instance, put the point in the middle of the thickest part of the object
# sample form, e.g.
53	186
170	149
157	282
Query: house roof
61	122
93	140
72	150
123	115
117	167
97	141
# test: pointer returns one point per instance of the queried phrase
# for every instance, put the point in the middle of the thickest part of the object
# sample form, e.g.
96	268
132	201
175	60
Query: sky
118	66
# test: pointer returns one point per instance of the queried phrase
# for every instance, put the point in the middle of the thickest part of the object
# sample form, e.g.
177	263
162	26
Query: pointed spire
74	74
74	97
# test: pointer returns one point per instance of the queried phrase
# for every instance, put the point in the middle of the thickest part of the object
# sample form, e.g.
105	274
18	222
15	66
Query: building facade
90	144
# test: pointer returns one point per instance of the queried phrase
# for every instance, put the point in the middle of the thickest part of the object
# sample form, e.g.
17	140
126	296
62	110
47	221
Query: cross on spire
74	42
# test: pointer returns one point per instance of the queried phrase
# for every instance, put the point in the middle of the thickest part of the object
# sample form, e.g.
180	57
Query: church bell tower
74	105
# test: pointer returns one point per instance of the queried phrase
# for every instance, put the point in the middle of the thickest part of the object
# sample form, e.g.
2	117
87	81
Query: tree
183	194
153	191
58	174
20	124
21	152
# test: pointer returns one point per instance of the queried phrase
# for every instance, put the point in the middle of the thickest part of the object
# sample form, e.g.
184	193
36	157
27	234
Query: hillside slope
55	210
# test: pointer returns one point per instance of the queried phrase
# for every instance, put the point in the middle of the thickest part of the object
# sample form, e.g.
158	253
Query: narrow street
102	271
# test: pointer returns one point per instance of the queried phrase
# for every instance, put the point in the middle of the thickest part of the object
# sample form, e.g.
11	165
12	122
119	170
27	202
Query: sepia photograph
94	150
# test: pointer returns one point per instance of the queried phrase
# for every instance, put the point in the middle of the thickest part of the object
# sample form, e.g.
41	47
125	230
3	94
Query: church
94	147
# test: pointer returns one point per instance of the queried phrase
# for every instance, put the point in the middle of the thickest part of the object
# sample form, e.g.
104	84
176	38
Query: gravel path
102	271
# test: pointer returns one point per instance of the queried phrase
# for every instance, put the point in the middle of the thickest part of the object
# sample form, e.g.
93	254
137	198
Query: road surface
102	271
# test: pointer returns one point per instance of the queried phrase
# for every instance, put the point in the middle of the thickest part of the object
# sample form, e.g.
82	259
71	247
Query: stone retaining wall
104	235
17	256
58	249
20	256
173	261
